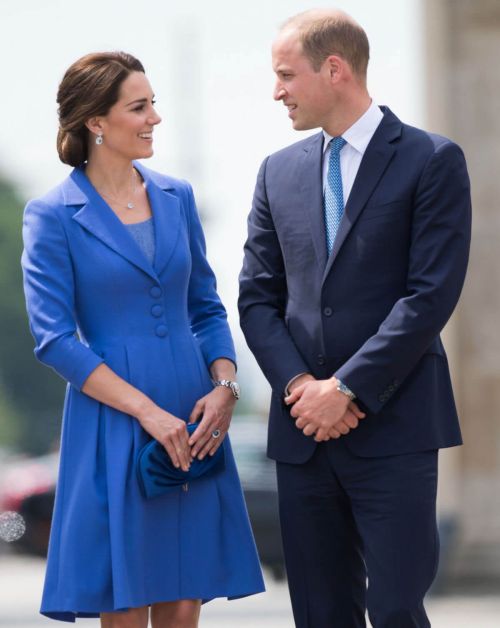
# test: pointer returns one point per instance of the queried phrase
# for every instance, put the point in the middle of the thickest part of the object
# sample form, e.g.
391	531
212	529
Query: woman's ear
94	125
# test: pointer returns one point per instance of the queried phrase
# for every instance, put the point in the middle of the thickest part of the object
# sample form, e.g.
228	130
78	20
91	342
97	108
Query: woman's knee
133	618
181	614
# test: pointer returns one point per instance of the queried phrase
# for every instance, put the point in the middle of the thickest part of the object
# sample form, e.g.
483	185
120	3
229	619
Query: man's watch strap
341	387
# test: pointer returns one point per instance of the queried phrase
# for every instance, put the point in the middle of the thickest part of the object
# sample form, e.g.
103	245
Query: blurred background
433	62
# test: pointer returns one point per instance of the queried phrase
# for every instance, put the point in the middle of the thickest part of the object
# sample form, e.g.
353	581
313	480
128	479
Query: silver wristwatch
341	387
234	387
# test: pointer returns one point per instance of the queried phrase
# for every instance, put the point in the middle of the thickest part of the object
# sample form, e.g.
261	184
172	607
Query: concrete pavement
21	583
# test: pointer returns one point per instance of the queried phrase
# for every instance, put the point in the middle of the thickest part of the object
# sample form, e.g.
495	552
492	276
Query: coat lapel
166	215
375	160
310	172
99	219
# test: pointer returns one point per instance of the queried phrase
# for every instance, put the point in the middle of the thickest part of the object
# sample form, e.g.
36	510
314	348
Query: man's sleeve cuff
287	387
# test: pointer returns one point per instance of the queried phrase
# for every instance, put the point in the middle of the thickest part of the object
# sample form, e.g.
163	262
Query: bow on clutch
157	474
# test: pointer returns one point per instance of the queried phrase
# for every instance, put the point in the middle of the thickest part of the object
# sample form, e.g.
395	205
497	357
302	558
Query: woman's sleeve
49	292
208	315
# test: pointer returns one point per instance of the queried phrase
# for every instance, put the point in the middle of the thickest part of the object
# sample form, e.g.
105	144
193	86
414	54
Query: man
357	249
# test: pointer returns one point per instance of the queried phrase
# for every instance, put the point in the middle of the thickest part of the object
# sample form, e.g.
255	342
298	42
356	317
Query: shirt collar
361	132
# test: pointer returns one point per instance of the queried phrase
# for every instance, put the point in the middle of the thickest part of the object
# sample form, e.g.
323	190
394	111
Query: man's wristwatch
345	390
234	387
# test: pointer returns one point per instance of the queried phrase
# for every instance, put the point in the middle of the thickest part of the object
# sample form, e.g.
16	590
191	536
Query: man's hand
322	410
301	379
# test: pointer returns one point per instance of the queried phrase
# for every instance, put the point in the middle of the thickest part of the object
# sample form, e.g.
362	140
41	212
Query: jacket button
157	310
382	398
321	359
328	311
391	388
155	292
161	331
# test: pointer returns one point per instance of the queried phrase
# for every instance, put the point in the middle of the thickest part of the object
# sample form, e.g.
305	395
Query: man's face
306	94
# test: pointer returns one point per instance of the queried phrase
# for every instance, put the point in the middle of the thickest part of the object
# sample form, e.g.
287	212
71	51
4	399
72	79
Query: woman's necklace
128	204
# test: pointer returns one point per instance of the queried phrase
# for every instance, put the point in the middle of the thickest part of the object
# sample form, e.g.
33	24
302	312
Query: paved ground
21	582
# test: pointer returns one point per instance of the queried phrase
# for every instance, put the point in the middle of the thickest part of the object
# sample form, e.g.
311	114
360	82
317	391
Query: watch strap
227	383
341	387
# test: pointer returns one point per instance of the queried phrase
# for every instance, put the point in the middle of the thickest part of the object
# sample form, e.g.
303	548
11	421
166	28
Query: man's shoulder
297	148
433	142
413	139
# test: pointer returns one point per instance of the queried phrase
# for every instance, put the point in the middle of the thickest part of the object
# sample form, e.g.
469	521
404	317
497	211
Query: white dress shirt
357	138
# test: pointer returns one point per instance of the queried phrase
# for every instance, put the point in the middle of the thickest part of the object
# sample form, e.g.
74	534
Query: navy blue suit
371	314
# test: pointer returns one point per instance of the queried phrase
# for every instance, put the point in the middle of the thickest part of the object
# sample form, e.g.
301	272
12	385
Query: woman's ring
216	434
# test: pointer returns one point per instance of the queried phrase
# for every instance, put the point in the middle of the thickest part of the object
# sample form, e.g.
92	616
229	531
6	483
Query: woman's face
127	129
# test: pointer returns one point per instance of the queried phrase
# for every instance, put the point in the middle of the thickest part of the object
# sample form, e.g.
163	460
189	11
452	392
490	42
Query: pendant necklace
128	204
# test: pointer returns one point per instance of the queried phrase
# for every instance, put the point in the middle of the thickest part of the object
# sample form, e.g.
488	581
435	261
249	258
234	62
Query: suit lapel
377	156
311	190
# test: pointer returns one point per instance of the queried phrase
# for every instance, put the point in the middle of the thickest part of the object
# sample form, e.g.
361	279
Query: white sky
209	64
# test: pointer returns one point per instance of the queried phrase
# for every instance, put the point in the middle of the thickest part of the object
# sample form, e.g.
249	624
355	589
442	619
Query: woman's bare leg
180	614
133	618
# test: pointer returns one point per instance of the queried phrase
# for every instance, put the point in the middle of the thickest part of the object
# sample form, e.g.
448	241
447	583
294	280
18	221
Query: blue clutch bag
157	475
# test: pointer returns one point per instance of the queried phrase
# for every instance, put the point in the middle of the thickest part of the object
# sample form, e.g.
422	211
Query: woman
122	304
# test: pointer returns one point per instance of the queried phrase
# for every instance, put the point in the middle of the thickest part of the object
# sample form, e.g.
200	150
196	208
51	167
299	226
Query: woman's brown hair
90	87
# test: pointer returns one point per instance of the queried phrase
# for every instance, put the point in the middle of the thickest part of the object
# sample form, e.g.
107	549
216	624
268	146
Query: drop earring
99	140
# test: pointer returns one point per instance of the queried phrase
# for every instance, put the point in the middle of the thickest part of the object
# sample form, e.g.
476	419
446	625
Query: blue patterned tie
334	197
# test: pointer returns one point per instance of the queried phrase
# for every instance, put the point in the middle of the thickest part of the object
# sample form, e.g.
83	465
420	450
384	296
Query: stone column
462	43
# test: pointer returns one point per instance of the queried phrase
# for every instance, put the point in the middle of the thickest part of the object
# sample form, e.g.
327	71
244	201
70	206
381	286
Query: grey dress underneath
144	234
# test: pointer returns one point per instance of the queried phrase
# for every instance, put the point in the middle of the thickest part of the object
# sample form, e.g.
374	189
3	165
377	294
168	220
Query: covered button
161	331
157	310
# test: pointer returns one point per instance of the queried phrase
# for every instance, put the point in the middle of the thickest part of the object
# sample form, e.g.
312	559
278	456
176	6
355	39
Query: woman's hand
107	387
171	432
217	409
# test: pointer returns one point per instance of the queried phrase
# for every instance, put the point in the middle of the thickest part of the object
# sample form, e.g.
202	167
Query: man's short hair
324	33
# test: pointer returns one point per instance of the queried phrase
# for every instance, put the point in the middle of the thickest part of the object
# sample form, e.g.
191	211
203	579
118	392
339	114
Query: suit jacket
372	312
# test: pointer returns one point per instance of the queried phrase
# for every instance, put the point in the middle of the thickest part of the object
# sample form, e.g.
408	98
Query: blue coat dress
93	297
